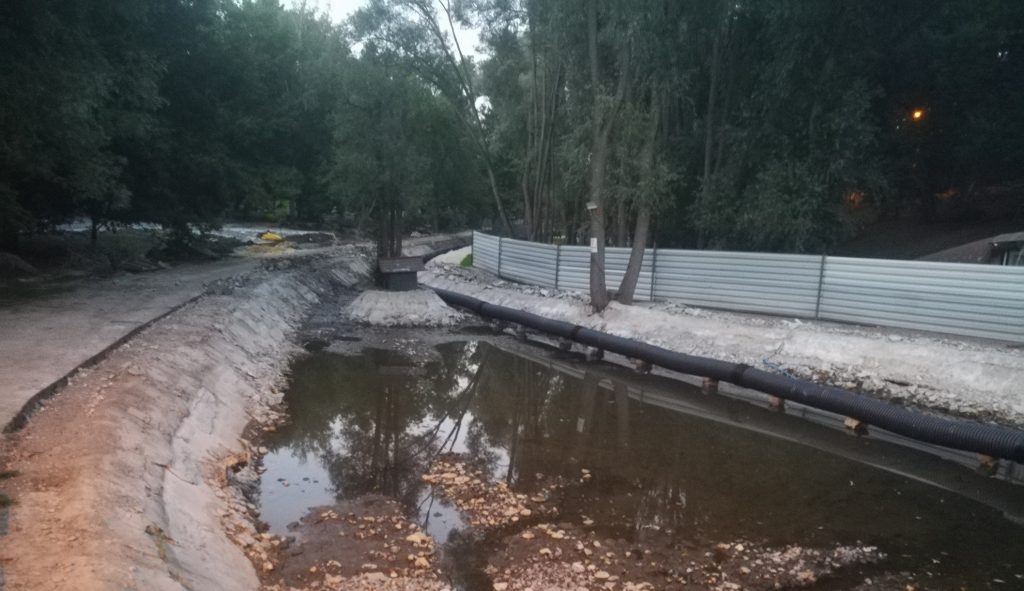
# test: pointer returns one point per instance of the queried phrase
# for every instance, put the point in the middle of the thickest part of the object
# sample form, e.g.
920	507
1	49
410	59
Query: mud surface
540	471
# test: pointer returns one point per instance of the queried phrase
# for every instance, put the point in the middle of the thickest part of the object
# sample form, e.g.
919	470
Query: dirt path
44	339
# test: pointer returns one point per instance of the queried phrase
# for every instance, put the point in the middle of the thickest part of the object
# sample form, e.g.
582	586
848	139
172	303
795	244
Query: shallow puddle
681	470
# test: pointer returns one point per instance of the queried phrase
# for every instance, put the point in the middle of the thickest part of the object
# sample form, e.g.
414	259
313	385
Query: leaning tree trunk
627	289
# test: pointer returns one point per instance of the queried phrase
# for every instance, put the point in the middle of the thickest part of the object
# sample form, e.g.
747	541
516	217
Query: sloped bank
119	482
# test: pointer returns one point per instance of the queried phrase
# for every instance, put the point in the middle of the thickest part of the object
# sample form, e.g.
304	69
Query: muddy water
676	473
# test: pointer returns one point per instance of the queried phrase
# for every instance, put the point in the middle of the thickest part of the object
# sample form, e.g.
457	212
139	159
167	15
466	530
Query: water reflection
373	423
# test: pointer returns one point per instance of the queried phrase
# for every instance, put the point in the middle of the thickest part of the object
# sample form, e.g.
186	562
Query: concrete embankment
120	480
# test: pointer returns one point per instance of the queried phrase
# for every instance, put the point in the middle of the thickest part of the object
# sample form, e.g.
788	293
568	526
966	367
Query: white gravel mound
421	307
453	257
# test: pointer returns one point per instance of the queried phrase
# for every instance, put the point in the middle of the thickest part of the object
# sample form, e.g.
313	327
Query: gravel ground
965	377
421	307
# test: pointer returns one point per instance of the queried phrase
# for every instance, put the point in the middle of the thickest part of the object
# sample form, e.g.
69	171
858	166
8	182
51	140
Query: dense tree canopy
186	112
750	124
753	125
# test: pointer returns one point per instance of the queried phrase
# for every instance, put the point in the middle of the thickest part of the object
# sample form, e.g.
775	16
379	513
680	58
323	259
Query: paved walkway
43	339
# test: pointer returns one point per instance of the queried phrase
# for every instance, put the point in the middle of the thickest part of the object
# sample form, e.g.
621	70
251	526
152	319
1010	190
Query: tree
411	33
77	81
380	165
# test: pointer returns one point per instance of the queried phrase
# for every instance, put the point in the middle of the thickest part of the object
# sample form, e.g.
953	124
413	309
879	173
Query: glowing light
917	114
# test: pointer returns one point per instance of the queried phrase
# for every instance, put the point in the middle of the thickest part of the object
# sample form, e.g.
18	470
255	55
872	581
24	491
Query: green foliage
467	261
772	113
188	113
741	125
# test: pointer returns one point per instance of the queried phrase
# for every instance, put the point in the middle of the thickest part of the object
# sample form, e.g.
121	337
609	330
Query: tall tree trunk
530	197
389	238
621	220
627	289
497	195
397	231
709	133
547	119
598	165
526	190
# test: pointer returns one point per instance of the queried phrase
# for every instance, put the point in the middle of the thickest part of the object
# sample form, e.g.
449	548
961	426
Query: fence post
500	241
558	262
654	268
821	281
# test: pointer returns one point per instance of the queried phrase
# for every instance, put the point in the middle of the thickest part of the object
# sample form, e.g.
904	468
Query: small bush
467	261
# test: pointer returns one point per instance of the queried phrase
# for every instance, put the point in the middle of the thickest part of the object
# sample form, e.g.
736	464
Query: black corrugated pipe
990	440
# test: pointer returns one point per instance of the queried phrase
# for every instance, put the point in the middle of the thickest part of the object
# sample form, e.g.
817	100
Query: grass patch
467	261
5	474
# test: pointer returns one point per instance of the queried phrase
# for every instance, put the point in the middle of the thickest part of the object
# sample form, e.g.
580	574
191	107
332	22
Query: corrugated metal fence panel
485	252
615	262
574	268
751	282
966	299
529	262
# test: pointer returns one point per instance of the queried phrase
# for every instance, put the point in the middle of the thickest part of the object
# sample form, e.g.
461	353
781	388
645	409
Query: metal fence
955	298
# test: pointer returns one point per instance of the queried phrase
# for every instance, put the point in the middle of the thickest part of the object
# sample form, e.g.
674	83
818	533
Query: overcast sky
342	9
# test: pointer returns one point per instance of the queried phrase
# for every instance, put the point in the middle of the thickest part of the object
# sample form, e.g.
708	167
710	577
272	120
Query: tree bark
602	127
598	155
621	220
709	133
497	196
627	289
